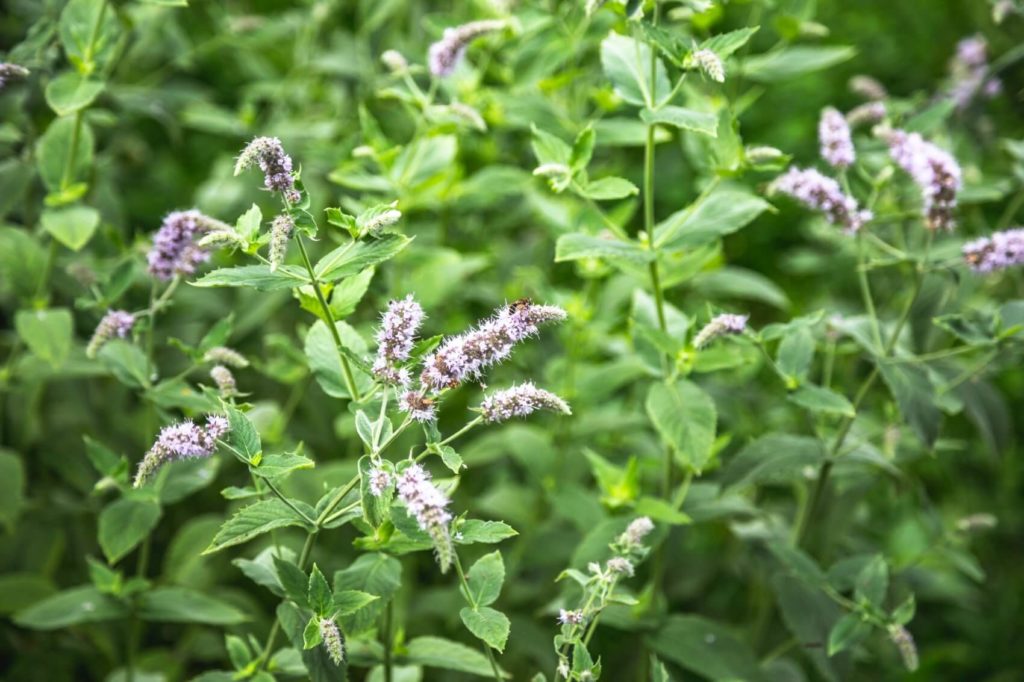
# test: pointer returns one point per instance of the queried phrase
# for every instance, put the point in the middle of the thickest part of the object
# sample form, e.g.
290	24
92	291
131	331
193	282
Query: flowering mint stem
468	594
865	291
350	382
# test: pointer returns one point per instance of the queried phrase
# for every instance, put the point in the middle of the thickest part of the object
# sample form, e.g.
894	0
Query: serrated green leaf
723	212
485	578
257	276
183	605
318	595
47	333
685	417
77	605
682	118
791	62
576	245
70	92
272	466
125	523
487	624
72	226
436	652
819	399
487	532
354	257
252	521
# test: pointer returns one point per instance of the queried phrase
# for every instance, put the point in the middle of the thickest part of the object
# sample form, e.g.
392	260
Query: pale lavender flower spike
398	328
116	323
420	407
467	355
934	171
181	441
822	193
429	506
444	55
869	112
175	250
520	401
269	155
378	481
834	137
969	68
996	252
575	617
333	643
720	326
10	71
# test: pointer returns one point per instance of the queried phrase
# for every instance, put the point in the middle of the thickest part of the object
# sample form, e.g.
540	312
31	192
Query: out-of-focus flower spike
222	355
834	138
280	234
115	324
444	56
821	193
720	325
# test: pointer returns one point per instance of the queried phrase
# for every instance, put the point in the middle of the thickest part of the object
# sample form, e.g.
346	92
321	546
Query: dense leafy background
185	88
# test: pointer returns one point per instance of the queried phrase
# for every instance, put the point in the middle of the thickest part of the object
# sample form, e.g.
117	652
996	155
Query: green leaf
582	149
324	362
795	354
354	257
319	667
873	581
376	574
73	226
436	652
819	399
318	594
915	397
774	459
486	532
257	276
125	523
349	292
292	580
660	510
549	148
243	437
682	118
77	605
70	92
577	245
791	62
610	188
272	466
88	31
485	578
733	282
847	632
12	488
723	212
311	636
53	152
347	602
248	224
127	362
658	671
627	64
47	333
724	44
183	605
705	647
487	624
684	416
252	521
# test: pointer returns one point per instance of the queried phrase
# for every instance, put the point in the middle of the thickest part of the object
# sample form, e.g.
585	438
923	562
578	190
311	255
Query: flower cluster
444	55
710	64
10	71
466	356
720	325
519	401
428	505
420	407
969	70
997	252
180	441
332	639
834	137
269	155
280	232
395	338
116	323
638	529
822	193
574	617
934	171
378	481
867	87
904	642
175	250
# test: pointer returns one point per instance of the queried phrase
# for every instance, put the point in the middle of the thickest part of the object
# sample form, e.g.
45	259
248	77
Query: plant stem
346	369
388	617
865	292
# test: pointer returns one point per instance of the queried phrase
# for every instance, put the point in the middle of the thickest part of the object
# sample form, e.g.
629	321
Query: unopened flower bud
222	355
280	233
225	381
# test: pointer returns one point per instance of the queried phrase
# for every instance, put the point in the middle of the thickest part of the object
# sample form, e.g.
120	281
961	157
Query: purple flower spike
519	401
428	505
996	252
934	171
181	441
821	193
115	324
398	328
444	55
269	155
834	137
720	326
175	250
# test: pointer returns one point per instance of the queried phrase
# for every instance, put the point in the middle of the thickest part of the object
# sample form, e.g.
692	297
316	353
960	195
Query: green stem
865	292
350	382
288	503
388	621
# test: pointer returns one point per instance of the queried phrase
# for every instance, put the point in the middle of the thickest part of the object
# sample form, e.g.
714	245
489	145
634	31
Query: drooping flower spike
935	172
822	193
969	70
444	56
115	324
269	155
183	440
280	232
866	114
334	644
998	251
520	401
429	506
466	356
720	325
